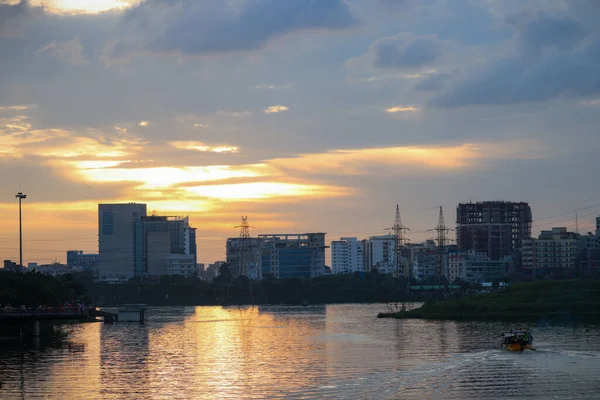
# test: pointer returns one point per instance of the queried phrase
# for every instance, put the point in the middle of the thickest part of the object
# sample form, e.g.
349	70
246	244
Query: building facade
243	256
85	261
497	228
118	259
380	254
347	255
552	250
181	264
131	243
292	255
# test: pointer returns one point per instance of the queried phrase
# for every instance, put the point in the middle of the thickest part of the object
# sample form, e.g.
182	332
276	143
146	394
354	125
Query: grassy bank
572	299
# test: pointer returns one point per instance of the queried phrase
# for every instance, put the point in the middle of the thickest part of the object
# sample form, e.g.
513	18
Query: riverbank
572	299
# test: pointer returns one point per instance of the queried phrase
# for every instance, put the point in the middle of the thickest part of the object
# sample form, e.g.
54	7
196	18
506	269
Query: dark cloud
518	81
404	52
432	83
543	30
212	27
12	11
554	57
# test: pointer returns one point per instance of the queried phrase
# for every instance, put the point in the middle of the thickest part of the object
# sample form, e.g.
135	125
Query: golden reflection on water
335	351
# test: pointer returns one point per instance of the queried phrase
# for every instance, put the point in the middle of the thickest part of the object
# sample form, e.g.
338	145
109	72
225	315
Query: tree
225	275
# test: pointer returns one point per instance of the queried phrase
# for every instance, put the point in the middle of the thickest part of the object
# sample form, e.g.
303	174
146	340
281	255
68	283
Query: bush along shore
565	300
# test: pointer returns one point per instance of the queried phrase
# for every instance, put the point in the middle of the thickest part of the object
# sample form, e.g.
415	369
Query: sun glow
162	177
85	6
264	190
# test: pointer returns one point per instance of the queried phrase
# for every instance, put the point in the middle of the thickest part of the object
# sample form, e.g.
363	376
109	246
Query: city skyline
320	124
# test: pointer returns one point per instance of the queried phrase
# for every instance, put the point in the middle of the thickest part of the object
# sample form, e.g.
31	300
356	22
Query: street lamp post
20	196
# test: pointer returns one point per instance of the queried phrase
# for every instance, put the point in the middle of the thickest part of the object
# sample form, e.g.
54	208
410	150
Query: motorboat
518	340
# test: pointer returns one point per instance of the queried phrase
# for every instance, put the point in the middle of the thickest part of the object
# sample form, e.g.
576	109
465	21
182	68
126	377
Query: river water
324	352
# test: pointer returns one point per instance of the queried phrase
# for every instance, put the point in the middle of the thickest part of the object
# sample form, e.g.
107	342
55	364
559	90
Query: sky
303	115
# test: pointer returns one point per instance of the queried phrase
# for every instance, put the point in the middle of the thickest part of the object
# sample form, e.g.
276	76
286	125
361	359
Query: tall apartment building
292	255
380	254
598	226
554	249
243	256
117	237
347	255
497	228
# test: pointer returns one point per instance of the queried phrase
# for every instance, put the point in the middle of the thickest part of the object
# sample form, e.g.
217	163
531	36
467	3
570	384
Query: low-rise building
181	264
85	261
12	266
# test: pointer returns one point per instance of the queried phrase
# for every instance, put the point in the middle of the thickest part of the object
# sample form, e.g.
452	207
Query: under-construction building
496	228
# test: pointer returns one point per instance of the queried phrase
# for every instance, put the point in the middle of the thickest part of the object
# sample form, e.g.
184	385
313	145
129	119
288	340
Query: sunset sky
304	115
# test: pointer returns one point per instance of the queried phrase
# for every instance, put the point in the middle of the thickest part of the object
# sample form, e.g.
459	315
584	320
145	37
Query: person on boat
526	338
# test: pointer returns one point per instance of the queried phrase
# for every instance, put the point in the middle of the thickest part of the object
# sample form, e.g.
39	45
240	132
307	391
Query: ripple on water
339	351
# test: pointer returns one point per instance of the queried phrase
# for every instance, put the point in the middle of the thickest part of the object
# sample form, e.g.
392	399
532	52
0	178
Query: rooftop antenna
576	223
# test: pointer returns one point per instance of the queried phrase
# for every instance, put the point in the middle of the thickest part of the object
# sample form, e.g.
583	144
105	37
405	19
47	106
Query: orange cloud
398	109
200	146
275	109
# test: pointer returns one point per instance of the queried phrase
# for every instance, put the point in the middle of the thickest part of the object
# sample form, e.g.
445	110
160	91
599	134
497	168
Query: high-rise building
292	255
598	226
347	255
497	228
117	239
158	238
380	253
132	243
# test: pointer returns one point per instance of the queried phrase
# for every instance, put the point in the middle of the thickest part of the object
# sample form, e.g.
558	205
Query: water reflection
337	351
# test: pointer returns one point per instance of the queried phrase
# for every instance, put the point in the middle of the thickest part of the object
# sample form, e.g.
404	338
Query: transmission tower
244	248
399	231
442	239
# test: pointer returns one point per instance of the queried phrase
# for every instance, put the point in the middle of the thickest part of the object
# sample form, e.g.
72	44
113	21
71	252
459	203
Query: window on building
107	223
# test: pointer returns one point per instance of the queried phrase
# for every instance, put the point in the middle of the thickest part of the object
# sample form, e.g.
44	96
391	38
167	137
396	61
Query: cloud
273	87
97	147
432	83
591	103
275	109
405	51
266	190
534	33
202	147
10	11
143	124
401	109
14	108
213	26
361	161
70	51
553	57
235	114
